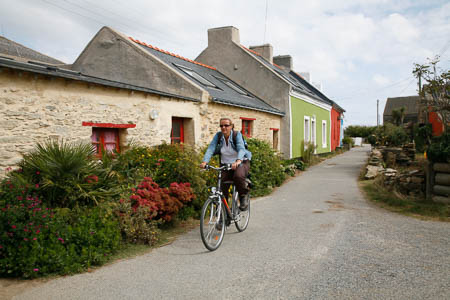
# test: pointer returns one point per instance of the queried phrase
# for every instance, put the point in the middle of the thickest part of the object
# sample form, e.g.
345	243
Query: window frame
181	123
100	146
306	140
324	134
250	122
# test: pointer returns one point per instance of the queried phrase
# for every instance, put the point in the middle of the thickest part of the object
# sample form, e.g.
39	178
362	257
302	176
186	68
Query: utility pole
378	114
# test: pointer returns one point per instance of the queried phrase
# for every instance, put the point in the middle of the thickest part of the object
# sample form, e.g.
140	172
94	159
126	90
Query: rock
373	171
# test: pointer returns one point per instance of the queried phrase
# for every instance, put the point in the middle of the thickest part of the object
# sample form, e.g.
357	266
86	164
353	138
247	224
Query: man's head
225	126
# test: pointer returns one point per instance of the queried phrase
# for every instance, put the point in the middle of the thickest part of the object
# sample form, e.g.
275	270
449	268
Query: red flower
37	185
158	164
37	172
161	159
13	226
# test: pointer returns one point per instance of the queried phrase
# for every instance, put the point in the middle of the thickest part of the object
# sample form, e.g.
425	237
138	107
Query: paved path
314	238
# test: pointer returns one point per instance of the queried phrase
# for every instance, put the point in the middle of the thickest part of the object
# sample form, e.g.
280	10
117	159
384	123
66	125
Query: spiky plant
67	174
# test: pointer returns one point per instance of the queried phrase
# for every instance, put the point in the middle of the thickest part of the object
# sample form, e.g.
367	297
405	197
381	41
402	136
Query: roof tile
170	53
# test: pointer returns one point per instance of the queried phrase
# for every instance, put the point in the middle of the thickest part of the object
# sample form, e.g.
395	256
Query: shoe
243	202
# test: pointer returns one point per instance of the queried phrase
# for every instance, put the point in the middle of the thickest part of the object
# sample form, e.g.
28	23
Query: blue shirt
215	145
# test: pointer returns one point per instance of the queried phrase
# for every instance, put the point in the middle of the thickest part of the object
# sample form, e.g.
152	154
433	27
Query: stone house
121	90
307	116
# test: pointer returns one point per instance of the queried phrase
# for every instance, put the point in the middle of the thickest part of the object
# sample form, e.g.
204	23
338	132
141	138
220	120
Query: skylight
196	76
233	86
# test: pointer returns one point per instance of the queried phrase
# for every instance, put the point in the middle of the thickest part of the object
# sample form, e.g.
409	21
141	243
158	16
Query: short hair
223	119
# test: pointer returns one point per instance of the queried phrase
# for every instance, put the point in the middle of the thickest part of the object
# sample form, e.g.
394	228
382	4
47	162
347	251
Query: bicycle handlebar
226	167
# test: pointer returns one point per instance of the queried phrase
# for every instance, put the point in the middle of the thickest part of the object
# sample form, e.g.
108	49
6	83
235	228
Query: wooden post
430	180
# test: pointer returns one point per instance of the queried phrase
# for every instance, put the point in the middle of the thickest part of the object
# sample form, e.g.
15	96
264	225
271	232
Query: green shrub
36	240
439	149
265	168
422	136
165	164
135	225
308	152
67	174
347	141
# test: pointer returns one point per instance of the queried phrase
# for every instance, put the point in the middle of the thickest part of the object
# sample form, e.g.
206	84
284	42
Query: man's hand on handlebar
203	165
236	164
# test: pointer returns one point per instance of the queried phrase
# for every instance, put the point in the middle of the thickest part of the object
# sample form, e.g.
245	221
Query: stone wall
34	108
261	125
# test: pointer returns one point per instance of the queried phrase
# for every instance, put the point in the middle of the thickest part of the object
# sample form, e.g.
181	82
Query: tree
398	115
435	95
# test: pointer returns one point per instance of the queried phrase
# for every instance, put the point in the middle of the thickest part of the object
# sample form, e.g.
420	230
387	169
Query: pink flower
36	269
8	169
37	231
37	185
13	226
161	159
158	164
37	172
61	240
34	238
25	239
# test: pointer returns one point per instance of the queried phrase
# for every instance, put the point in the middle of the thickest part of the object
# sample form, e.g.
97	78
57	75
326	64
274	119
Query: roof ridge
256	53
170	53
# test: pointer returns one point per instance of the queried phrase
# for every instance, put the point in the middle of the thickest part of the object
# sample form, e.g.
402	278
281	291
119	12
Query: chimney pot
266	51
284	61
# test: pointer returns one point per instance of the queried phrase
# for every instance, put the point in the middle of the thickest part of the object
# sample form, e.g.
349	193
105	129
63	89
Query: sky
360	51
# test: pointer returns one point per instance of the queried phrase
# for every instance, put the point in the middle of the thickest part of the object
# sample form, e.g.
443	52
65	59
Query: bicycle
217	215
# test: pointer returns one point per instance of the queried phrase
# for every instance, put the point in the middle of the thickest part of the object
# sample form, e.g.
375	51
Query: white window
324	133
306	133
313	131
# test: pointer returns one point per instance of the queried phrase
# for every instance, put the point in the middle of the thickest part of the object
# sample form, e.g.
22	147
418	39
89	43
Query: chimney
223	35
266	51
284	61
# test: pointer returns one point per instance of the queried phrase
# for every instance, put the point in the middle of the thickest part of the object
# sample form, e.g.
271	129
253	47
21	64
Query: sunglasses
221	126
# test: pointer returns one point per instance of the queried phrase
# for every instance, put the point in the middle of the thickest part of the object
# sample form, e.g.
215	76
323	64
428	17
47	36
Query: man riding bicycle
231	151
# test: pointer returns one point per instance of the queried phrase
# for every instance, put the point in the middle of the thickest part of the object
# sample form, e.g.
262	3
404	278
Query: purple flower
61	240
36	269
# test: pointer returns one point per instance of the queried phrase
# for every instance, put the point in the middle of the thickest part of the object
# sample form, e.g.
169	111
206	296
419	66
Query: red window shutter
177	132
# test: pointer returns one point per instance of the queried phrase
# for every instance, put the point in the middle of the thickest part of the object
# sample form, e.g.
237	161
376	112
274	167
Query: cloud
380	80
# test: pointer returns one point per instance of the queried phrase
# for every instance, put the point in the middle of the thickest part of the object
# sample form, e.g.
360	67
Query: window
247	127
306	132
105	139
275	138
324	133
177	132
106	136
313	131
233	86
197	76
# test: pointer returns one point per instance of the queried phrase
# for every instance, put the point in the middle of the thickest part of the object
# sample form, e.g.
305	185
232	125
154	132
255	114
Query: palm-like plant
67	174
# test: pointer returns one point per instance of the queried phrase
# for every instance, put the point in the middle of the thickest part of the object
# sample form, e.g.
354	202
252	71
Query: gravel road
314	238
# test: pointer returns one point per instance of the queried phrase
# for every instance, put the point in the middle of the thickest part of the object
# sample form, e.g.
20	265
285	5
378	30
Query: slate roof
52	70
298	83
411	104
222	92
10	48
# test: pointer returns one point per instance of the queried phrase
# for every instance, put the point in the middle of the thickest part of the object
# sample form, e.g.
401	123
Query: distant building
411	105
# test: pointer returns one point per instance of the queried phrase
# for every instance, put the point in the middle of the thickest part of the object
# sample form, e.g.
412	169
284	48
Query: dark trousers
238	177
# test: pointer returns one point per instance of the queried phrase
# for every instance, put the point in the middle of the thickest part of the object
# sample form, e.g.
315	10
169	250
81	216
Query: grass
406	205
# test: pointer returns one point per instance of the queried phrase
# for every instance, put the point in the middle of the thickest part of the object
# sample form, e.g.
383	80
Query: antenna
265	22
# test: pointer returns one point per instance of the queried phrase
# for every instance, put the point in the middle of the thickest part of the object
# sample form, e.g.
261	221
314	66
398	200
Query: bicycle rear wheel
243	216
212	224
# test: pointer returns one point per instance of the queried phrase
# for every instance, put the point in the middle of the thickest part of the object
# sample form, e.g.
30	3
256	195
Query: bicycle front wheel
212	224
243	216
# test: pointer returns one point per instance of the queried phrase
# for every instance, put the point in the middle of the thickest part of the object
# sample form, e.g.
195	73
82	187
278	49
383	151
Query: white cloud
380	80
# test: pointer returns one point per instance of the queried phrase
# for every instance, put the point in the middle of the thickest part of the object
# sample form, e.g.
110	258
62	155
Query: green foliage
398	115
67	174
165	164
439	149
347	140
36	240
359	131
422	136
135	225
265	167
308	152
391	135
